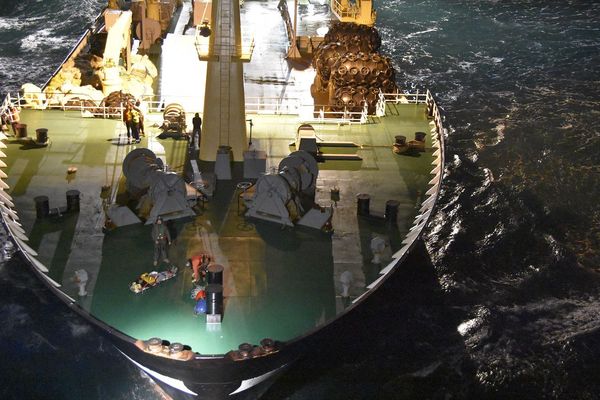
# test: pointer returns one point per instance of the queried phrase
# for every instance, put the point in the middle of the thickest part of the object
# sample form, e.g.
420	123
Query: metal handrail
349	12
243	51
254	105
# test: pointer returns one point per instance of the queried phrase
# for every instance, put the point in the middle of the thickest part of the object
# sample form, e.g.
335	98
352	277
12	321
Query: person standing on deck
162	238
138	108
197	123
127	119
135	124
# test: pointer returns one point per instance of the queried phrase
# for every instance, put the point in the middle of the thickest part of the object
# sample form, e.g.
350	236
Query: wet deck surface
278	282
269	77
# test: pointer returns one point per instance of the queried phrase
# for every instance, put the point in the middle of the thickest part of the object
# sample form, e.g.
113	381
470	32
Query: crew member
138	108
197	123
162	238
135	124
127	120
199	264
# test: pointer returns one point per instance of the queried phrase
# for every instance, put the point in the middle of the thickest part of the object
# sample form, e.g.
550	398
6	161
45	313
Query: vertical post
293	51
295	18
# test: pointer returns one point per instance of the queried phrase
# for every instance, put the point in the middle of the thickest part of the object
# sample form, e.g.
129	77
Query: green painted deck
278	283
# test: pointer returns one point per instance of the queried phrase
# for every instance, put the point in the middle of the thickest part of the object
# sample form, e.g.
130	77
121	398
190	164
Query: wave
43	40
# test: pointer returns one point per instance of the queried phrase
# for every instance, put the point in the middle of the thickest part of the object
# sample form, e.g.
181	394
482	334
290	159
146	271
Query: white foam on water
410	35
467	66
44	38
14	317
12	24
78	329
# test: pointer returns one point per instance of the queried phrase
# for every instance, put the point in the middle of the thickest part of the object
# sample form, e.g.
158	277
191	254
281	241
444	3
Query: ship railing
152	103
67	102
272	105
254	105
5	107
434	111
418	97
206	51
243	51
317	114
344	11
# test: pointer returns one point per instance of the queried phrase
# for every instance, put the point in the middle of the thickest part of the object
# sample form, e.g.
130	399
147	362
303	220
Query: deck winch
165	191
288	196
174	119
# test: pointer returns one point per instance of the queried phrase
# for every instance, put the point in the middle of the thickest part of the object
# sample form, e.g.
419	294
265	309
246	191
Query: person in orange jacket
199	264
128	120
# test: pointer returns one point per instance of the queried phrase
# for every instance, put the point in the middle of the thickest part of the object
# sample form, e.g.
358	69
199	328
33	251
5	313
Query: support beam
293	51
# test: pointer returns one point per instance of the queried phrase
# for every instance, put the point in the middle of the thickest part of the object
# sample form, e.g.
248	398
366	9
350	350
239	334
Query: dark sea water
503	301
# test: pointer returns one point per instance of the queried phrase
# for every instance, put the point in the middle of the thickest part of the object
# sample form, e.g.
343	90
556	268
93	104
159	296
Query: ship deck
278	282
